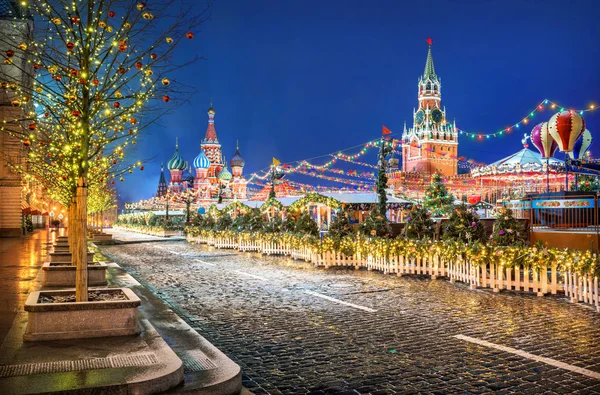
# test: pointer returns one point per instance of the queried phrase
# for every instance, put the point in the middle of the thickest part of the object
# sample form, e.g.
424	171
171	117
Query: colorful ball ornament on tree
22	46
10	53
152	56
169	40
111	14
166	98
116	104
148	16
141	6
166	82
122	70
70	46
565	127
75	20
138	65
189	35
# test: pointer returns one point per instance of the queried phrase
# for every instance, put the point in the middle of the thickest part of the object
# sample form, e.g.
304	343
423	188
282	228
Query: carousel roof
524	161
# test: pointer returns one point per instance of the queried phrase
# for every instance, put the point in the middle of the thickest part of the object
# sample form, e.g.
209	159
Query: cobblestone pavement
258	310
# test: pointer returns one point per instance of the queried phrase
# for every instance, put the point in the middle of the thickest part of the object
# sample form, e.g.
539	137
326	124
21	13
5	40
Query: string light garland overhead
545	104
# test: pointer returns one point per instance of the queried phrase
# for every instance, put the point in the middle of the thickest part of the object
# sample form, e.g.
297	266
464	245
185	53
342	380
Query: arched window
428	86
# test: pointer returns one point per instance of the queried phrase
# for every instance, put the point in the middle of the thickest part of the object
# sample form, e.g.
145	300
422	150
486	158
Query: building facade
16	27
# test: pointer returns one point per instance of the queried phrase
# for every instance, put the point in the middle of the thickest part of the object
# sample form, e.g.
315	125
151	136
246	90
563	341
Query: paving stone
288	341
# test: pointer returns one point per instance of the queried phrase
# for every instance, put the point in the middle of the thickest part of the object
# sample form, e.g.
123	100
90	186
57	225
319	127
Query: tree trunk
73	242
80	253
101	221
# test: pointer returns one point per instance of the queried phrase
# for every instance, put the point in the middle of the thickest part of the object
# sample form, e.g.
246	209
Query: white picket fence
579	288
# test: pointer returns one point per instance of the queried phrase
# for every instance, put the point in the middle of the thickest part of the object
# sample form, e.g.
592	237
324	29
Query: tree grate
118	361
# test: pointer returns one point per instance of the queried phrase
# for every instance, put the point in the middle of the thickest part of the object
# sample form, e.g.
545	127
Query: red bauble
114	161
111	14
74	72
166	98
64	178
113	182
32	126
133	121
117	104
26	142
122	48
76	113
70	46
138	65
10	53
95	82
122	70
130	131
75	20
141	167
152	56
37	66
189	35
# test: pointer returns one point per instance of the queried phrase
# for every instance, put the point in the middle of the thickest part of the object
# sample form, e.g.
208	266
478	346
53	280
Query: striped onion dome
201	161
237	160
225	174
176	162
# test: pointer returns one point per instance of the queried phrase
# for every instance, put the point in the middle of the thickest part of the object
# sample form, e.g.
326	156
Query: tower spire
429	69
176	142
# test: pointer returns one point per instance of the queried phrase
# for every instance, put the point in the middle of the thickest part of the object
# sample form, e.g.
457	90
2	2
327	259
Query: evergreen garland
437	199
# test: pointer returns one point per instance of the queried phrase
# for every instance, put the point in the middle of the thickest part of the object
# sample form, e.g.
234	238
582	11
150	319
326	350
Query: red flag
385	131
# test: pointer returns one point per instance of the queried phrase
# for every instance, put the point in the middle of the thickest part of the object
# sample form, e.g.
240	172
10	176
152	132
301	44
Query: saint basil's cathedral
211	171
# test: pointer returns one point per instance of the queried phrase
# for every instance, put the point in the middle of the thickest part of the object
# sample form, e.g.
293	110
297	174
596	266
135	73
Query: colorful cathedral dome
176	162
225	174
201	161
237	160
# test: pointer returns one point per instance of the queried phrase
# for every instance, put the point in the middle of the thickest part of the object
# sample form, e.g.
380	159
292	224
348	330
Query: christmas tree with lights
437	199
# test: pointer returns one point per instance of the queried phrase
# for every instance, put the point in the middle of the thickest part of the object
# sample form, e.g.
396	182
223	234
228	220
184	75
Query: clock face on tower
419	117
436	115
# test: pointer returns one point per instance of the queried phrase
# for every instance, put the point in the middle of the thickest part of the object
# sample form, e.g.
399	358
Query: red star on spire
429	40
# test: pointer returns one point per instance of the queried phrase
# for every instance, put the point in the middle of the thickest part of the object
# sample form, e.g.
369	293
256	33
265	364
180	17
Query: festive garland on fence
535	257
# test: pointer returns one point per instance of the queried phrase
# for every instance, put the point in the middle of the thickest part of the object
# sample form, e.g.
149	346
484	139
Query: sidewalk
20	260
147	363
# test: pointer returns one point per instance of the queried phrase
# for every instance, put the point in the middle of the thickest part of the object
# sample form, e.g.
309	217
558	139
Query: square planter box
80	320
64	275
66	256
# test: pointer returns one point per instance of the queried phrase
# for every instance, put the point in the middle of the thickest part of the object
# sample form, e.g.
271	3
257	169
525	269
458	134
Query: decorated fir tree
437	199
340	226
419	224
464	225
507	231
306	225
586	183
375	224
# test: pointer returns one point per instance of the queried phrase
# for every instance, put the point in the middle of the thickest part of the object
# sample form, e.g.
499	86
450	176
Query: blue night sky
298	79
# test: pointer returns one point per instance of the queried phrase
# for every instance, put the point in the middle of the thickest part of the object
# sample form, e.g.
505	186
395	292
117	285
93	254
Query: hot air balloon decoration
582	145
543	141
566	127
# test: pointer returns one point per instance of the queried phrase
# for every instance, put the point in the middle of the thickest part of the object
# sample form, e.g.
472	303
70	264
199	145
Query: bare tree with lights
101	75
